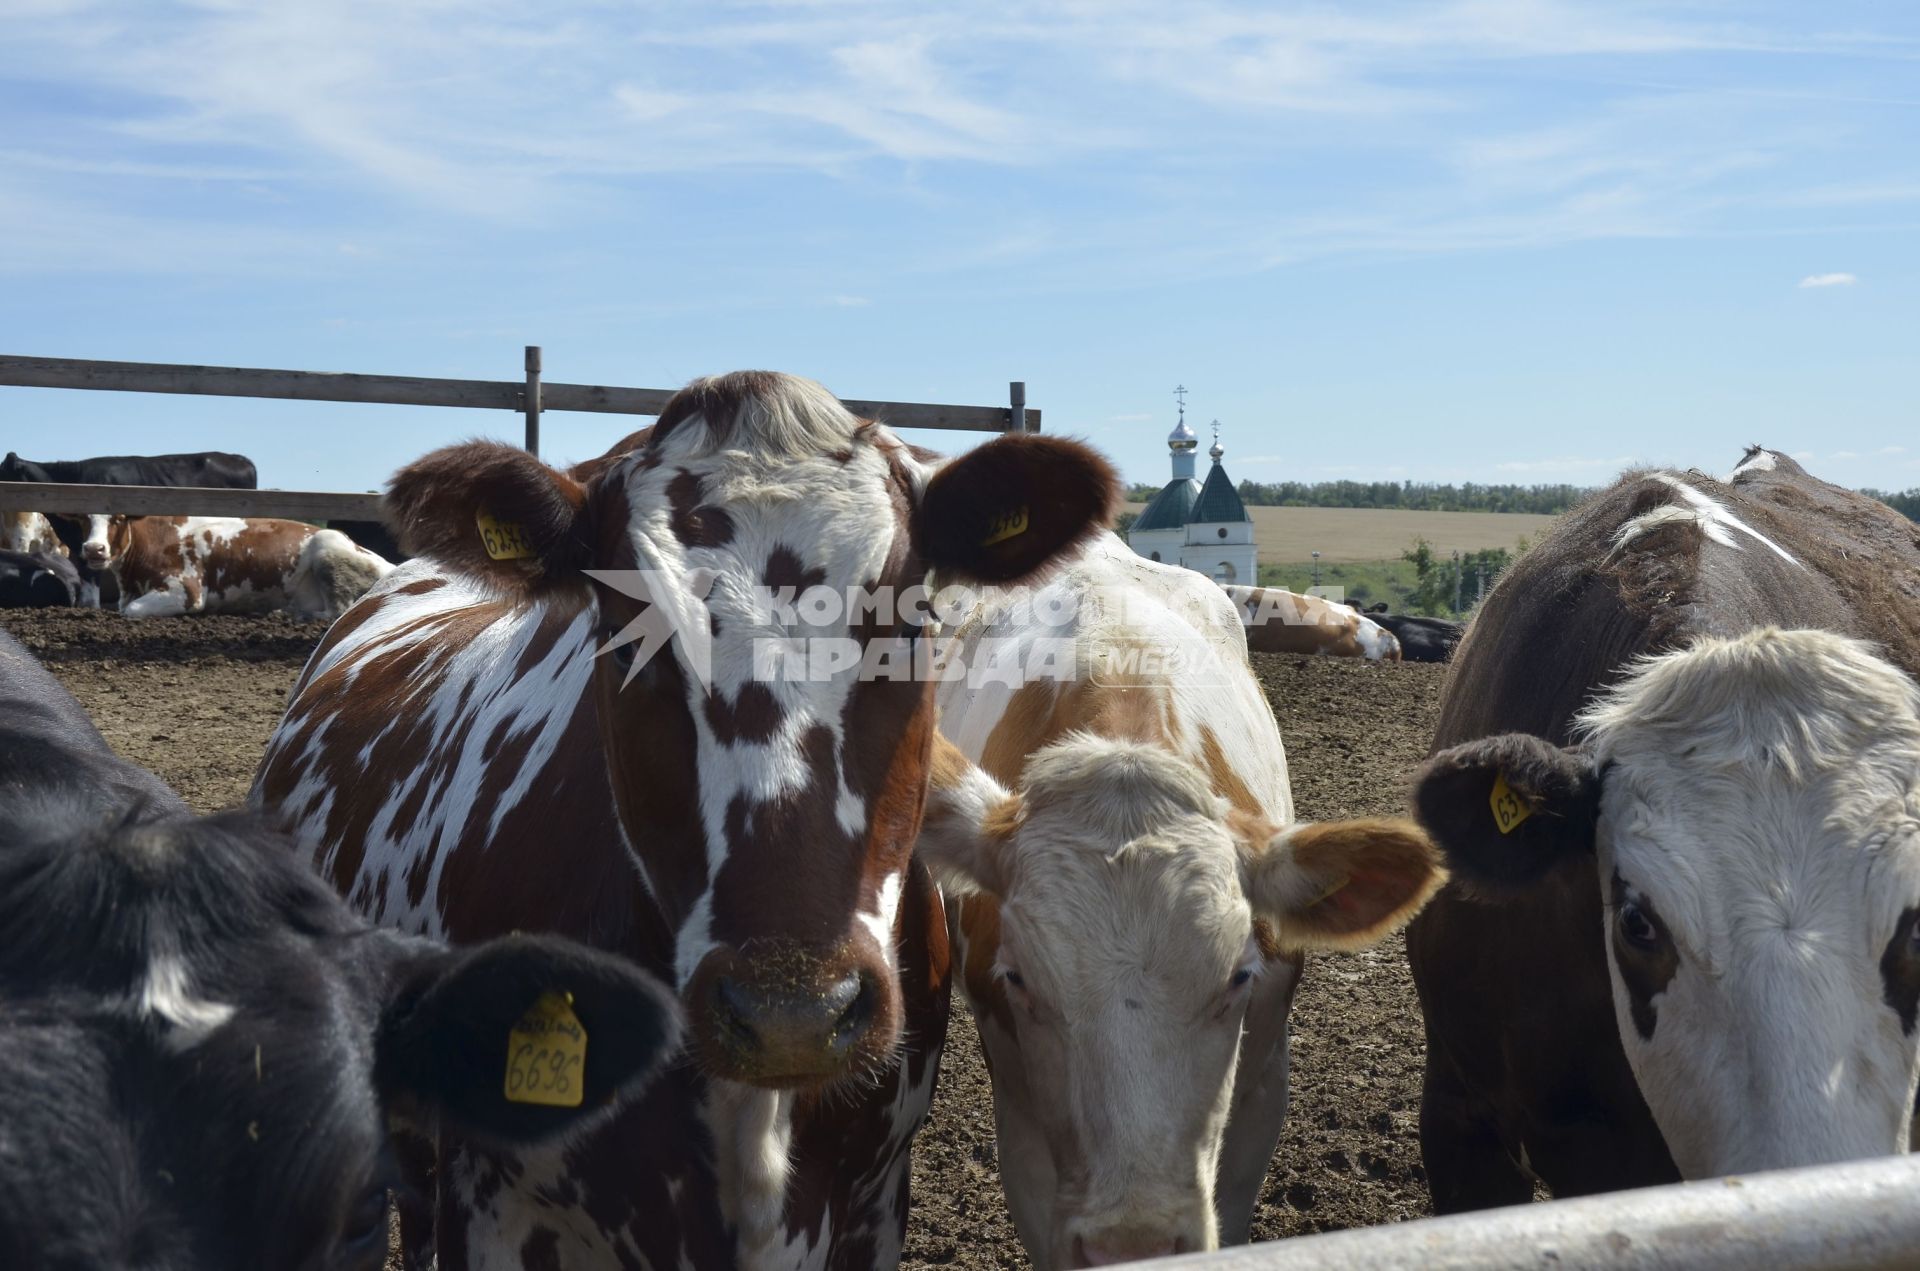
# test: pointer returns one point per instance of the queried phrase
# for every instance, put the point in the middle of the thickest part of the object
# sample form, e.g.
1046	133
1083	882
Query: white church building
1201	525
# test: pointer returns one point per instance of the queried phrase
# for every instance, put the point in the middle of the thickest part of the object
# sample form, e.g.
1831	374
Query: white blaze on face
1762	817
832	520
97	550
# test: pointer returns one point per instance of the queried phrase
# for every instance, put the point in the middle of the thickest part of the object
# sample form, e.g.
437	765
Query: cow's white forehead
1769	782
1123	869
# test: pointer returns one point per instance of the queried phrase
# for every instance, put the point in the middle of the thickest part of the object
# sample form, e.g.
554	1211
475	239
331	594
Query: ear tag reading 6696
504	540
1001	528
547	1055
1509	809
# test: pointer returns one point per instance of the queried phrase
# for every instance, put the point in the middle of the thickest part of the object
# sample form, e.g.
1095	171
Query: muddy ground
195	698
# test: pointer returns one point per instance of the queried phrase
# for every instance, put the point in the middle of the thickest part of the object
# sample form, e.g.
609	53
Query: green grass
1364	581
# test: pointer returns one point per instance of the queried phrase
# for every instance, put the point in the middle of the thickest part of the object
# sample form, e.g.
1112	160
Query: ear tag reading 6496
1002	528
1509	809
547	1055
504	540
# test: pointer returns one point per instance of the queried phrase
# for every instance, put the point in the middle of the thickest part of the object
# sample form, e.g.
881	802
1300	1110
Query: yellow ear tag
504	540
1509	809
547	1055
1339	886
1005	527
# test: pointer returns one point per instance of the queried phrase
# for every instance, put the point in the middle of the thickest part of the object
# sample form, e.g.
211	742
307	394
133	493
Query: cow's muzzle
786	1019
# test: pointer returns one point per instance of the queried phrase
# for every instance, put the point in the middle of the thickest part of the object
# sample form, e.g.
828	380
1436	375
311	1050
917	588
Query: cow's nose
1123	1244
782	1036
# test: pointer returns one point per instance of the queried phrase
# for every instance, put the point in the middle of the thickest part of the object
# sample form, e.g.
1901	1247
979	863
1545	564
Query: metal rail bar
1861	1216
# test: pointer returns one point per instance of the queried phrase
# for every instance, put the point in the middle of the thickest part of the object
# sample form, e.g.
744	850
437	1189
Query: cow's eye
1637	927
1014	978
366	1223
1241	978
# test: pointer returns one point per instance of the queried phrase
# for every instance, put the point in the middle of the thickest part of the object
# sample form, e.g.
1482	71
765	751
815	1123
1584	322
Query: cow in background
1137	901
168	565
202	1048
204	468
28	532
1678	782
43	580
1280	621
554	718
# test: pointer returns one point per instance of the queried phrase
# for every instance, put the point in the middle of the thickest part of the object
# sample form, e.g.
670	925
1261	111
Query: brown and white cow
1678	784
28	532
472	767
1142	898
1281	621
168	565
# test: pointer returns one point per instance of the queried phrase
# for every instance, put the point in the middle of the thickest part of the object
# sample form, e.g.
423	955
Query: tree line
1428	496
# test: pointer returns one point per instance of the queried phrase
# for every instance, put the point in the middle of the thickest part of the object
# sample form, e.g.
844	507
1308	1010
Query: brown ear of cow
435	506
1003	511
1550	809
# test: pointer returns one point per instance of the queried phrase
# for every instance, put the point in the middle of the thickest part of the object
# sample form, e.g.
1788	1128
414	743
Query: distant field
1376	534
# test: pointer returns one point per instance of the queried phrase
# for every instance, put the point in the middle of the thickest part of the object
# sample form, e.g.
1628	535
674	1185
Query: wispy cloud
1828	280
1006	147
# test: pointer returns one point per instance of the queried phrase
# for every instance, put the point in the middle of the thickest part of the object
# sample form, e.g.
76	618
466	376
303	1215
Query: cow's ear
967	831
520	1039
1341	884
1507	809
1004	510
493	510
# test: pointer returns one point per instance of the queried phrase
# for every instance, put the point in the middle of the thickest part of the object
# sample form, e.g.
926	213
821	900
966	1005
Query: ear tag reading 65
1509	809
1002	528
504	540
547	1055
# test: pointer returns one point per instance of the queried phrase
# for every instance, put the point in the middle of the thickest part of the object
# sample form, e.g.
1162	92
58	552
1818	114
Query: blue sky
1495	240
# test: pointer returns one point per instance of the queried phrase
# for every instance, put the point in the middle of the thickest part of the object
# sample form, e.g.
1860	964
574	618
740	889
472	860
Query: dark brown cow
473	767
1678	783
168	565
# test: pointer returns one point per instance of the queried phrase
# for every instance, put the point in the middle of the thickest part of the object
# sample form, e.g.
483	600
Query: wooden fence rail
531	398
145	500
411	390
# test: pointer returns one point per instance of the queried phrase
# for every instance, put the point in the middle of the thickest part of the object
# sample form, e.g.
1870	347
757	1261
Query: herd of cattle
1662	873
153	566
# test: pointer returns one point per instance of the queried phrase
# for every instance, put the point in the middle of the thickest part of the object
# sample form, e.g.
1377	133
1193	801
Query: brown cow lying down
1279	621
169	565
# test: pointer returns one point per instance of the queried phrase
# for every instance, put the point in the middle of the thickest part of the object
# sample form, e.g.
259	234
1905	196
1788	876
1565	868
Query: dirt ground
195	698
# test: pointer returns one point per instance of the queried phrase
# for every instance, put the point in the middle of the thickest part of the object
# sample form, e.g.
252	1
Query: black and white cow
201	1048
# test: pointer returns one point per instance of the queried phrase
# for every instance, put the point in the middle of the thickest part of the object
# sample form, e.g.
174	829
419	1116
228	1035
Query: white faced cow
473	766
169	565
1141	898
1679	788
